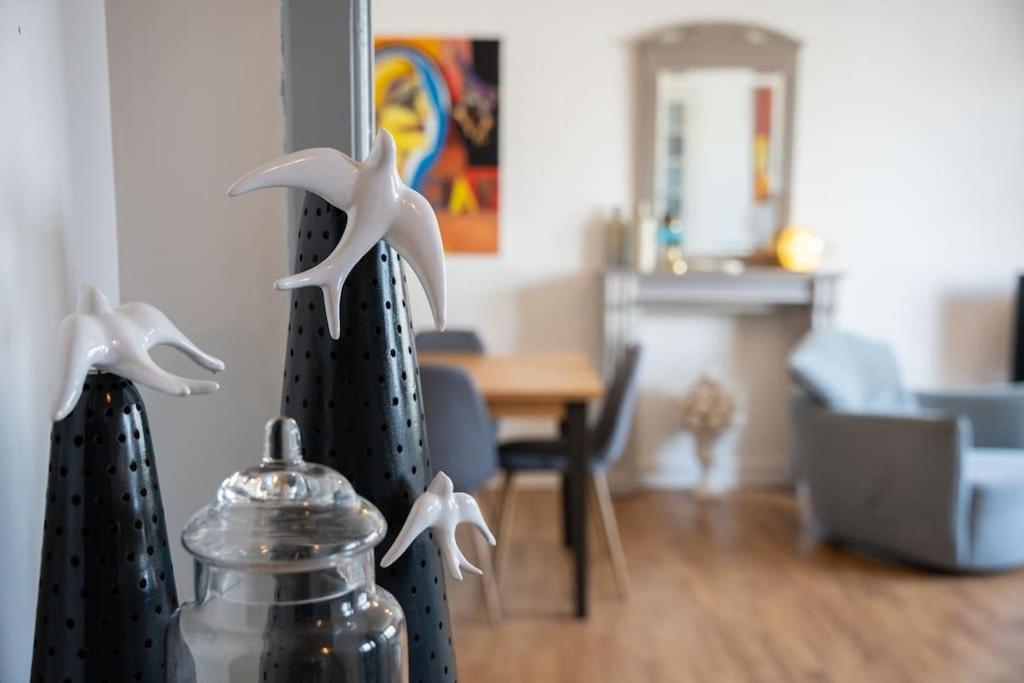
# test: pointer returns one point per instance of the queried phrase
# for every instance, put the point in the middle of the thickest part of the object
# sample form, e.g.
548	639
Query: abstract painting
439	98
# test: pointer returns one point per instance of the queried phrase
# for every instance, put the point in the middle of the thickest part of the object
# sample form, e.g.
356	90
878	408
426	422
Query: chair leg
508	510
490	581
489	499
603	499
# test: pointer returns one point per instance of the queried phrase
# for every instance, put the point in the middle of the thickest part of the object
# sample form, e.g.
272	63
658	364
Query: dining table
555	386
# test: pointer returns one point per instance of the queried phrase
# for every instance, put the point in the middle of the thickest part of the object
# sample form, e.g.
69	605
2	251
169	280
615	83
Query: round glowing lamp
799	249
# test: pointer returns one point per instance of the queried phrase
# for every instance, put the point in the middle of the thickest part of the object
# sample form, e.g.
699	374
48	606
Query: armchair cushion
846	372
996	413
995	477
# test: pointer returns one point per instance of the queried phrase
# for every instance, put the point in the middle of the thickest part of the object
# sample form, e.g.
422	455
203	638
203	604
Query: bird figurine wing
118	340
469	512
80	342
165	333
320	170
145	371
416	236
424	514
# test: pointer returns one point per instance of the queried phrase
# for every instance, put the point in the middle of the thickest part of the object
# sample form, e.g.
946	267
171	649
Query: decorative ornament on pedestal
106	586
709	411
351	379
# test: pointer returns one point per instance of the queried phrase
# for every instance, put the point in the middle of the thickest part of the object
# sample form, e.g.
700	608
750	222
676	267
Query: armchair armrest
996	413
890	482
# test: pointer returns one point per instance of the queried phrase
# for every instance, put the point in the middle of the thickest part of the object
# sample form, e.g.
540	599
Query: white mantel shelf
757	290
757	286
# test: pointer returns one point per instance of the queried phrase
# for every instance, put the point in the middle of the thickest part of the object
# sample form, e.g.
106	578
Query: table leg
576	433
563	429
567	510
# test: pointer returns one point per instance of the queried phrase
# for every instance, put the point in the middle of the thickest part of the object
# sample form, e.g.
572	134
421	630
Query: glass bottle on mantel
285	580
616	239
645	251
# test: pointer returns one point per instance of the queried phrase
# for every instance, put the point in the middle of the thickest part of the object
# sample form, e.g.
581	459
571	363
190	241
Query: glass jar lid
284	514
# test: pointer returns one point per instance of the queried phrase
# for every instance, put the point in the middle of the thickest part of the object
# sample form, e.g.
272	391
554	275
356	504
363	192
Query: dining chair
608	439
463	341
454	341
461	444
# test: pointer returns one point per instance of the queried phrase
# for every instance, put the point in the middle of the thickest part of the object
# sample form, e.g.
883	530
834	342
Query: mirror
715	132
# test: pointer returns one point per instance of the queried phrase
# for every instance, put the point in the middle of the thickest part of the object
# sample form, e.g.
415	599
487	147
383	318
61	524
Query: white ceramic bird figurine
118	340
379	206
441	509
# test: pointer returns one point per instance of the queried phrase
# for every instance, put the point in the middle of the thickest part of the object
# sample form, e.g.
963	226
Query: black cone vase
106	587
357	402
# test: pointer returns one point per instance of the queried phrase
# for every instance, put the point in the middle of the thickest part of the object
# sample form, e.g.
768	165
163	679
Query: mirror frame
690	46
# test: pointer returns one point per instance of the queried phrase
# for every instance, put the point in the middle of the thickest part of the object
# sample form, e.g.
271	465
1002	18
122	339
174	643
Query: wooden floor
732	591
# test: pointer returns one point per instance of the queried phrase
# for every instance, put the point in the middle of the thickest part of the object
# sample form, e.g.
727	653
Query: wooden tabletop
533	384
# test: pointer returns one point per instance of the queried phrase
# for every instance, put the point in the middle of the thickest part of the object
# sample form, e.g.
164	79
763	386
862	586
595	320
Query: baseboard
683	473
756	472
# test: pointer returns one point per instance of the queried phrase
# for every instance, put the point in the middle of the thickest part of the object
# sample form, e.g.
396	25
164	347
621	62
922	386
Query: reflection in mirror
718	157
714	133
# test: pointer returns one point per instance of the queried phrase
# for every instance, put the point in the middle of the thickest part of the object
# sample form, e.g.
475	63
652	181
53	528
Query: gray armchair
932	478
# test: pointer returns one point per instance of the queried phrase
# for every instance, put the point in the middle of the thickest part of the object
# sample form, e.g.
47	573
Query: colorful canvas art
439	98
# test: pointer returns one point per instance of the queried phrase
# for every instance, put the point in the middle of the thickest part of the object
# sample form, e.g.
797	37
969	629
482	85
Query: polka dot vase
106	587
357	403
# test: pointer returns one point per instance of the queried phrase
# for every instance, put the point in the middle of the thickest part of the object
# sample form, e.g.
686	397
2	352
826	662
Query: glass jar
285	580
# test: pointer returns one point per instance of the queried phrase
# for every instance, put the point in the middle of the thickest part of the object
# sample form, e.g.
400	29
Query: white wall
909	159
196	99
56	229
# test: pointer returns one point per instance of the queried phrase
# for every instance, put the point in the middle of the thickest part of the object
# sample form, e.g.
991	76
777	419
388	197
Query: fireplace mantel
751	292
656	456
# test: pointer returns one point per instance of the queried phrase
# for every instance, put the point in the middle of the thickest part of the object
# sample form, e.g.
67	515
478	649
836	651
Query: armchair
932	478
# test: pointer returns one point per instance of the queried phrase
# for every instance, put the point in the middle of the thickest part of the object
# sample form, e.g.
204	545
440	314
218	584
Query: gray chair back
612	431
458	341
460	437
